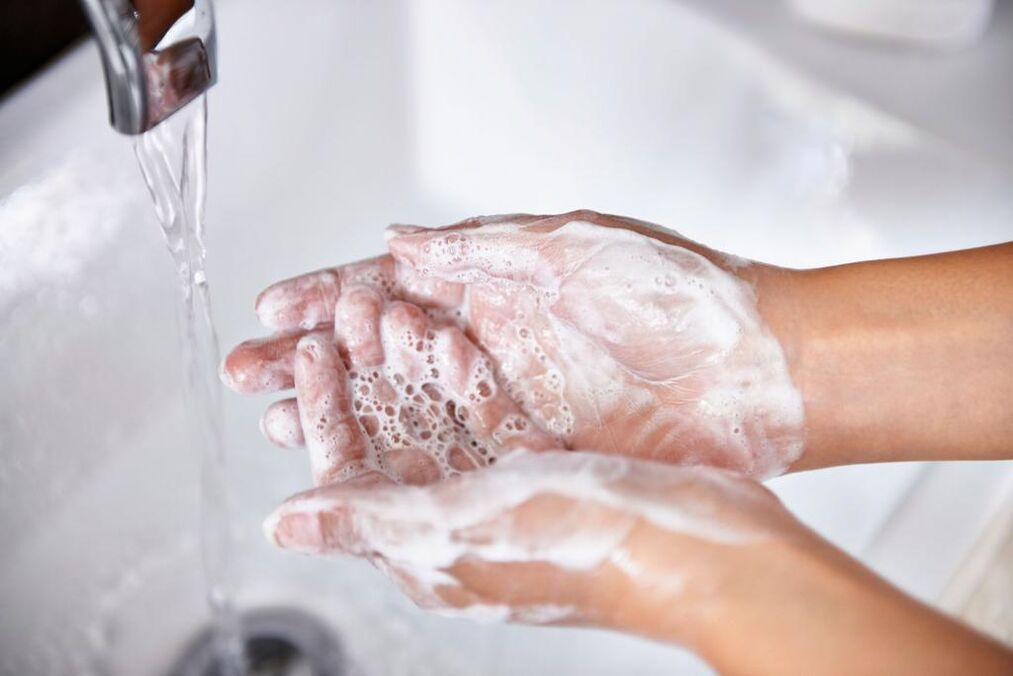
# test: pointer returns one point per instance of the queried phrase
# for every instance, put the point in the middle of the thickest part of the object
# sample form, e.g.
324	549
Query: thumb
505	251
326	520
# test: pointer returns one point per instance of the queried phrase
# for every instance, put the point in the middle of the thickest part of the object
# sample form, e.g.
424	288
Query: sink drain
277	642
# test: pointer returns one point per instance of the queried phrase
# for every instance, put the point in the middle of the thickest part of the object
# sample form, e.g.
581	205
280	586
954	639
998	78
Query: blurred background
802	133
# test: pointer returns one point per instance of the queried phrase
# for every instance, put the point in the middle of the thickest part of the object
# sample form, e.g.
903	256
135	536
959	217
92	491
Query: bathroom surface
331	120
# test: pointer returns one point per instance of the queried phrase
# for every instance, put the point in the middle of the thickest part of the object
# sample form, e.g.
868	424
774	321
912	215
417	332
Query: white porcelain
330	120
928	23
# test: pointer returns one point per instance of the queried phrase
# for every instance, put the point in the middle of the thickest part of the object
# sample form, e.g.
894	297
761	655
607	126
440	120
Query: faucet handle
158	55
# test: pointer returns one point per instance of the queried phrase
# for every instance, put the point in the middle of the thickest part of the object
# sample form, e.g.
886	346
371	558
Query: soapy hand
417	401
609	333
553	537
565	314
697	556
397	408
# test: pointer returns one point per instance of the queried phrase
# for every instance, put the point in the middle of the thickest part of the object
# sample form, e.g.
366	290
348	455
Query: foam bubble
406	403
424	532
621	340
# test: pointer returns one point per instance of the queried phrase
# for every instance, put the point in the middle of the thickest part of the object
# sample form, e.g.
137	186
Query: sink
330	120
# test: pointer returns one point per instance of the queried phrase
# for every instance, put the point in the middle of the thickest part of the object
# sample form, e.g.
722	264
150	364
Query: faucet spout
158	55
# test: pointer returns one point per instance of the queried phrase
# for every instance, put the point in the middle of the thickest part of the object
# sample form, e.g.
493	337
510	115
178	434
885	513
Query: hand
695	556
417	402
689	555
618	543
395	397
553	537
616	337
610	333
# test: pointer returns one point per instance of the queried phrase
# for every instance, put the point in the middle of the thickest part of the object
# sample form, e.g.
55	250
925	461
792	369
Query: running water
173	159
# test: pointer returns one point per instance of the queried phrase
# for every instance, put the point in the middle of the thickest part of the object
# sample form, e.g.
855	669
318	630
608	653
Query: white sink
332	119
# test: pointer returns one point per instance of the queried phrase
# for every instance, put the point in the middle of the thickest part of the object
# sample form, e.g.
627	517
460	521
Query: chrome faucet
158	55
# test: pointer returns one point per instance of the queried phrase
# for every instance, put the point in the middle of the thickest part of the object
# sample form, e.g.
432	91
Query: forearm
906	359
798	610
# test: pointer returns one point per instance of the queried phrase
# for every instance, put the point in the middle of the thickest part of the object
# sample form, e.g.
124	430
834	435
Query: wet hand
697	556
397	409
394	396
609	333
552	538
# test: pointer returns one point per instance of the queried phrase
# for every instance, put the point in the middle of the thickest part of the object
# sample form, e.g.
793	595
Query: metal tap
158	55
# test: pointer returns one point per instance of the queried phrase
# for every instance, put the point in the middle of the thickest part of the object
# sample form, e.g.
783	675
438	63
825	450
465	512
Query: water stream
173	159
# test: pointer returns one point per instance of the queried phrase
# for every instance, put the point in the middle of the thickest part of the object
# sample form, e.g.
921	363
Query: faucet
158	55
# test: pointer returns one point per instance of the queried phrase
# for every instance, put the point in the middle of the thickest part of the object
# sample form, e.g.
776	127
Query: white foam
608	322
425	531
427	396
280	424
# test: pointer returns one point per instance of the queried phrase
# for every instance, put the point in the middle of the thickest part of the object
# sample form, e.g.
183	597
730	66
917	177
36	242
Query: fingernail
280	425
224	375
309	345
296	531
271	306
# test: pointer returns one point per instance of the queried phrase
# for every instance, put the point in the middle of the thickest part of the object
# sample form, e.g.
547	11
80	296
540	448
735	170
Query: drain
277	642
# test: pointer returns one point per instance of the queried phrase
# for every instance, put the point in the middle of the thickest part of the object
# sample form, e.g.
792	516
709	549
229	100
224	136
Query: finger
419	413
525	354
429	562
549	222
480	514
385	520
281	426
392	521
265	364
412	466
303	526
337	447
261	365
468	223
491	416
357	325
308	300
404	329
505	250
516	247
335	518
426	292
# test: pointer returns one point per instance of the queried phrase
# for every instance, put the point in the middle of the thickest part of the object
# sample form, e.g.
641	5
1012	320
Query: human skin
780	601
696	556
903	359
748	588
417	401
899	359
607	338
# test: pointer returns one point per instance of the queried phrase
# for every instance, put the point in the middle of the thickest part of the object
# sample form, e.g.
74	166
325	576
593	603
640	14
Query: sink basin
330	120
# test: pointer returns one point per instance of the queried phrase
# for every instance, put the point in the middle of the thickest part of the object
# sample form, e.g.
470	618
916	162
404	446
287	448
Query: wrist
839	358
887	355
788	309
809	329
